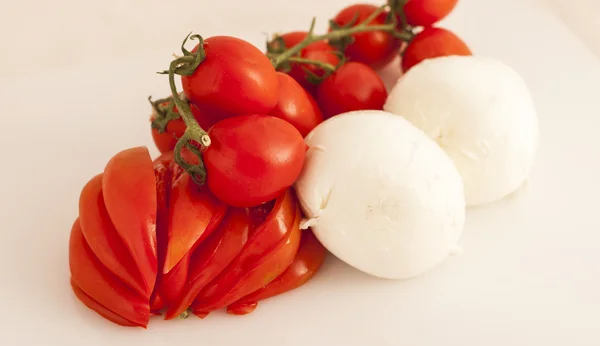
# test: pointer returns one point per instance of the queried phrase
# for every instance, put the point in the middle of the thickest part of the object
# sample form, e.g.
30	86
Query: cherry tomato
311	255
253	159
235	78
165	141
374	48
296	105
318	51
212	256
267	253
97	282
354	86
427	12
432	43
129	191
194	214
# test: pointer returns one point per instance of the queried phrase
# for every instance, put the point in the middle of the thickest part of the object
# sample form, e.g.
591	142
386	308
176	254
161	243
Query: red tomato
355	86
318	51
103	238
311	255
211	257
432	43
165	141
129	191
267	253
296	105
235	78
253	159
193	215
374	48
100	309
427	12
105	290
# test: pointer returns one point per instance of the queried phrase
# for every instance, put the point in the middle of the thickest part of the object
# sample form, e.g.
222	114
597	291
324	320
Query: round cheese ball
481	114
381	195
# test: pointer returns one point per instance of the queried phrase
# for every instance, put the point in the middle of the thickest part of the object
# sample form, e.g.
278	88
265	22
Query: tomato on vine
306	74
432	43
354	86
427	12
373	48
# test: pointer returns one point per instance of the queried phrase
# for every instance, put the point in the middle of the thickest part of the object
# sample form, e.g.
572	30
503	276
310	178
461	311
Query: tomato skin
103	239
354	86
101	310
427	12
212	256
319	51
267	253
296	105
235	78
129	190
194	213
97	282
432	43
253	159
309	258
375	48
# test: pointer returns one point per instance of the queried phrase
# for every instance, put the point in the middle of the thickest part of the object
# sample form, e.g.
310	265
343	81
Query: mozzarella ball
380	195
481	114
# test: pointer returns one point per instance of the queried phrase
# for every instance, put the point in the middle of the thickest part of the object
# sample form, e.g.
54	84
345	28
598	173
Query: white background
74	80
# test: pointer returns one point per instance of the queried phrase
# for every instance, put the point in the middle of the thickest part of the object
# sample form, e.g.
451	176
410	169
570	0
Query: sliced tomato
268	252
97	282
100	309
103	239
194	213
129	190
212	256
311	255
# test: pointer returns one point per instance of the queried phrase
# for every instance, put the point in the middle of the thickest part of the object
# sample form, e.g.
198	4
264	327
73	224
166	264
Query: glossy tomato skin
211	257
375	48
296	105
269	250
104	289
318	51
427	12
354	86
235	78
253	159
432	43
129	191
309	258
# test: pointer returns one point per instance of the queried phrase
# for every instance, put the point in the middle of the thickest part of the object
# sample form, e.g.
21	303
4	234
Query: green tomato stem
337	34
186	65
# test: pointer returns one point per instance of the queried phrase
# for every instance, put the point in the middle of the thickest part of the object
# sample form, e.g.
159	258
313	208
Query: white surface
530	270
407	212
481	113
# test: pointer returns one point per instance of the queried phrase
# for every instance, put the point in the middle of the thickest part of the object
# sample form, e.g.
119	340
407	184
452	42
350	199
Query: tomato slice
193	215
212	256
268	252
96	281
129	190
103	239
101	310
311	255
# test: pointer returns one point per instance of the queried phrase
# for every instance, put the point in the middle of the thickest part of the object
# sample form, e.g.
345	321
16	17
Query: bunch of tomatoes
214	222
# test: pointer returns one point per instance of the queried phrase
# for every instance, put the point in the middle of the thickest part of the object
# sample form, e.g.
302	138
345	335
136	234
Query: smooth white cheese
381	195
480	112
